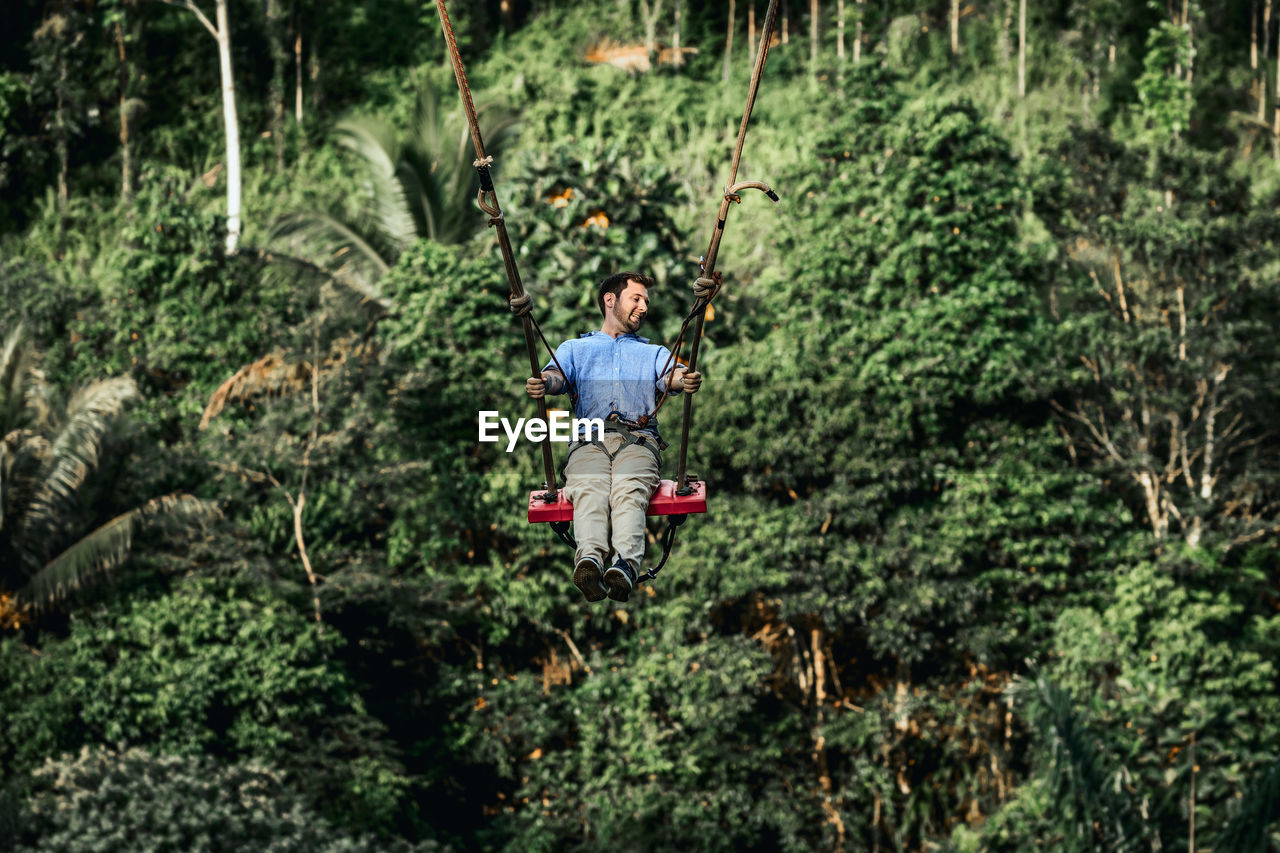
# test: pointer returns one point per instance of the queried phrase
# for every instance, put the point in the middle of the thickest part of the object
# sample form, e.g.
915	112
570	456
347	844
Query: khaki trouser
611	493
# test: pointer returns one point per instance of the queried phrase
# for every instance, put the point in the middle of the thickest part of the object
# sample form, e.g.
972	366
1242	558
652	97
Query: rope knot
521	305
486	161
705	288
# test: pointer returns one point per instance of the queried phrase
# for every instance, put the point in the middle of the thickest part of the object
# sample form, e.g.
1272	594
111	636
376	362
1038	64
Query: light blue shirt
622	374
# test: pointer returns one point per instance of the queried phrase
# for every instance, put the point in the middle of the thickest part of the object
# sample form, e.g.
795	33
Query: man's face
631	306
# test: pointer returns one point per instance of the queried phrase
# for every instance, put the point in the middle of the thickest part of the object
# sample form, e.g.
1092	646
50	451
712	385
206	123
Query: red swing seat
665	501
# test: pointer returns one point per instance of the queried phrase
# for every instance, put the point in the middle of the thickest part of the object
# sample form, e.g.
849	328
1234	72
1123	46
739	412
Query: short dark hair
617	283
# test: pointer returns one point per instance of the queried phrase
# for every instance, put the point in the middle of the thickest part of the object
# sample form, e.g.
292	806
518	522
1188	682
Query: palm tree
416	184
47	463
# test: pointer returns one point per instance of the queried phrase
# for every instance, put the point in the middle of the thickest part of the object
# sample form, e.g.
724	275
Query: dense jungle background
989	425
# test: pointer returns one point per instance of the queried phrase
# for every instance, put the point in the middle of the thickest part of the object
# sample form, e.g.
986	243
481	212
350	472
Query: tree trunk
955	30
297	70
857	33
1275	133
223	35
677	58
275	40
840	32
60	138
1253	51
813	36
126	162
786	25
728	40
751	29
1022	48
1266	49
313	70
650	14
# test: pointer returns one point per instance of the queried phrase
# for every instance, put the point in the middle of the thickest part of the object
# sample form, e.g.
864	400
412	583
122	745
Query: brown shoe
586	577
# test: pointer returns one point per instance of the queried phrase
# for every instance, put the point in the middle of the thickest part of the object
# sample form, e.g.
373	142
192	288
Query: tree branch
195	10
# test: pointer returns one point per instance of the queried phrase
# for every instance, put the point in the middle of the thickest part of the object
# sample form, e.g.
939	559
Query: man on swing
617	377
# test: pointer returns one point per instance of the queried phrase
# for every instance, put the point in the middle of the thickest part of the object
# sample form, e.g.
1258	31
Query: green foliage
1091	814
1165	95
579	214
1168	662
1250	828
18	158
419	183
134	800
903	372
919	389
52	536
1164	307
215	668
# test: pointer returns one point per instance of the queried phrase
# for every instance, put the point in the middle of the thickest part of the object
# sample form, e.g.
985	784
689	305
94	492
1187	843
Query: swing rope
520	301
708	283
705	288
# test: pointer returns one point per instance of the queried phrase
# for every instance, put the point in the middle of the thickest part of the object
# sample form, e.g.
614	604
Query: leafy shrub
215	668
130	799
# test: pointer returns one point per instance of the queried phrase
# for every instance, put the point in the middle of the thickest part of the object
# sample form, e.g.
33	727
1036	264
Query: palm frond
422	192
22	401
1100	819
419	184
90	414
1248	831
351	292
373	140
108	546
22	453
74	454
339	245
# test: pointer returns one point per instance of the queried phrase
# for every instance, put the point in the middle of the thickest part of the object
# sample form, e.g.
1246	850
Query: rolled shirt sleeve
564	355
661	361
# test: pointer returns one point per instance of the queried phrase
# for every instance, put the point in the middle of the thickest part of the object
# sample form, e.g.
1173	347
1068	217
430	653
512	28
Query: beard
625	319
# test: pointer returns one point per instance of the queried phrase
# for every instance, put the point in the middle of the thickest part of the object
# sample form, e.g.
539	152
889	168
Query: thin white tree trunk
857	33
1253	48
786	25
232	126
813	36
222	34
677	58
1022	48
751	29
955	29
297	73
840	32
650	15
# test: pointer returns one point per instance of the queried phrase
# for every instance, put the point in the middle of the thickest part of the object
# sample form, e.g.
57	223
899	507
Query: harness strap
631	437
